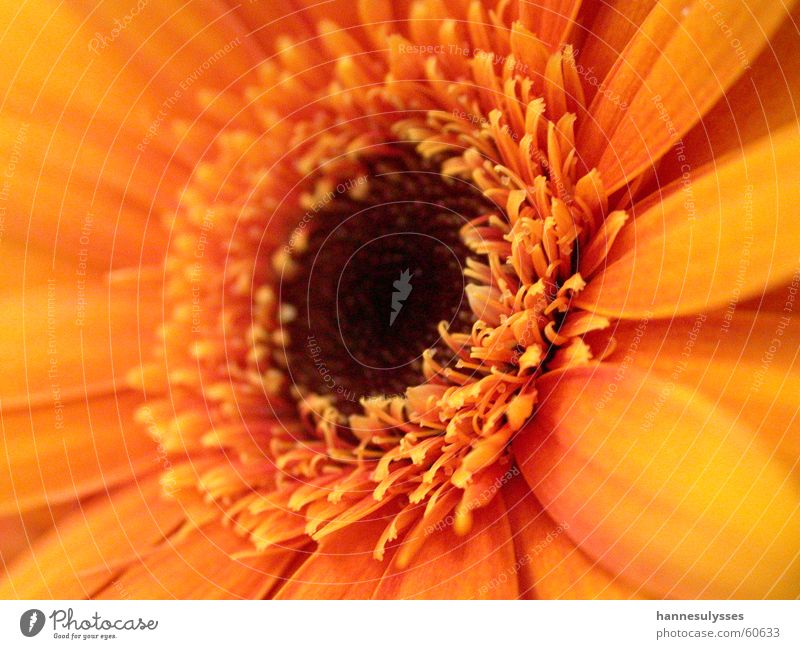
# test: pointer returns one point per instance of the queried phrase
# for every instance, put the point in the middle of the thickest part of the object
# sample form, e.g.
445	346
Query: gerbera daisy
438	298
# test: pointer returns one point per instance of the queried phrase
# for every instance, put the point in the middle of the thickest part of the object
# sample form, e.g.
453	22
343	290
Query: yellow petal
745	361
661	487
684	253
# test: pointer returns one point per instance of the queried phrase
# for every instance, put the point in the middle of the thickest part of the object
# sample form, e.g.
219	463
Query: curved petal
771	301
98	58
661	487
747	362
550	565
684	253
669	75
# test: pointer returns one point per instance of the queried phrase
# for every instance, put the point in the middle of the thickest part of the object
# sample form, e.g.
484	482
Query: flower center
379	265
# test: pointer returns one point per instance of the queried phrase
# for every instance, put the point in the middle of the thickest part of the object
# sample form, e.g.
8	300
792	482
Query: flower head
476	289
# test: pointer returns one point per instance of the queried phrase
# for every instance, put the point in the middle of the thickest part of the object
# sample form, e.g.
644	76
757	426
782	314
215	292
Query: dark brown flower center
383	266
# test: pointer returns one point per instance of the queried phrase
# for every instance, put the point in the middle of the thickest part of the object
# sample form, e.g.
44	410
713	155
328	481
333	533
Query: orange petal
550	565
668	77
479	565
550	20
92	545
26	267
609	28
763	100
773	301
19	531
73	193
64	452
199	565
343	567
93	61
263	22
661	487
92	92
70	336
684	254
346	13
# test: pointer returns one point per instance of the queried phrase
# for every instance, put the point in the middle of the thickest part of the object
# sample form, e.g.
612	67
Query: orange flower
421	299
